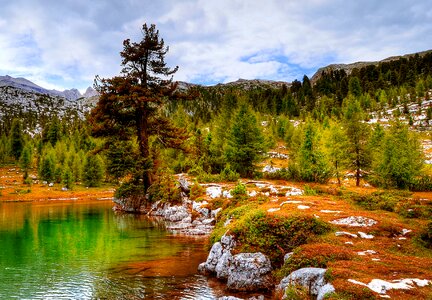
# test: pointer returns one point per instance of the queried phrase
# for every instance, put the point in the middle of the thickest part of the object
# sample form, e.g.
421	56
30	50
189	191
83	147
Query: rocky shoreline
242	272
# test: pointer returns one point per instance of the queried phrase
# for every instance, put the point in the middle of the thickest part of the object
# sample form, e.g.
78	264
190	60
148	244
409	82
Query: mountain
348	68
28	86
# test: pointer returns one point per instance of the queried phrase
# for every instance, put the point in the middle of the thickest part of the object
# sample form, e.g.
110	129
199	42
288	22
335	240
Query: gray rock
209	265
249	272
176	213
228	242
219	257
184	184
223	266
310	278
214	213
325	290
287	256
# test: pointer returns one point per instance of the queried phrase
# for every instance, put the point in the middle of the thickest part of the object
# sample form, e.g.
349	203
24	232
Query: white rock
270	210
303	207
290	202
405	231
355	221
341	233
252	194
365	236
214	191
382	286
366	252
310	278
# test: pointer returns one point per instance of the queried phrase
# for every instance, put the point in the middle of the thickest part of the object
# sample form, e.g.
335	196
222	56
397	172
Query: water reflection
78	250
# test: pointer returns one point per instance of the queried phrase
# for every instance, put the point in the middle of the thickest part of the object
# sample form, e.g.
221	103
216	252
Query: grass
13	189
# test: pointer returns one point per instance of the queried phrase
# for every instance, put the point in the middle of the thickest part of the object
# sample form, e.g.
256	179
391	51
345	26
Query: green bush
258	231
395	201
227	174
196	190
239	190
165	189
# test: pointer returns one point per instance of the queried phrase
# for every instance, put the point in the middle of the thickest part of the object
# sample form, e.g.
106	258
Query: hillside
348	68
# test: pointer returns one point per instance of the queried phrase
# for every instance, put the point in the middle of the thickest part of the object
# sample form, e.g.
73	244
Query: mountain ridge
29	86
348	68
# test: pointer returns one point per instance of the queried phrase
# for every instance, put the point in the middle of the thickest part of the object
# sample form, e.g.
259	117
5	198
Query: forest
222	133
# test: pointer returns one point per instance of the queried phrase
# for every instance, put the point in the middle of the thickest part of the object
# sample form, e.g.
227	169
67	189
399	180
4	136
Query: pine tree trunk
143	141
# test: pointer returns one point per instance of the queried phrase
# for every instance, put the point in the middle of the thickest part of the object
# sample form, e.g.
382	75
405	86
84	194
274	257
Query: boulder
184	185
249	272
310	278
219	258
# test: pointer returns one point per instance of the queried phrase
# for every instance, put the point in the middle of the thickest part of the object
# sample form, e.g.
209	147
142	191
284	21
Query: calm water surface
76	250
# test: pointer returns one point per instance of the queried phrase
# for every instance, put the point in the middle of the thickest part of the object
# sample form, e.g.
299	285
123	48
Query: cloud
64	44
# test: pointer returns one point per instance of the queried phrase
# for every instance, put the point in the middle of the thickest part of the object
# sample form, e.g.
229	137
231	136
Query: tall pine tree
245	142
131	105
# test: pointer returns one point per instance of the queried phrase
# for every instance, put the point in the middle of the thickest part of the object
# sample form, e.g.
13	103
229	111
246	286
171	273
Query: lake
83	250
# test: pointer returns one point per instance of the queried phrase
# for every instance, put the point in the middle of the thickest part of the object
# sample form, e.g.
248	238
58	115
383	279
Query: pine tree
25	161
94	171
131	105
311	159
47	168
336	144
67	178
358	135
402	158
245	142
16	139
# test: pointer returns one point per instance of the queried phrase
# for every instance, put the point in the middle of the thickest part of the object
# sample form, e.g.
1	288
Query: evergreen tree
245	142
131	105
311	160
47	168
25	161
357	135
401	160
16	139
94	171
336	146
354	87
67	178
121	158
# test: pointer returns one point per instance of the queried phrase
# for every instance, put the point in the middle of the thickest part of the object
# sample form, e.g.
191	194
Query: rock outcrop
310	278
244	272
249	272
179	217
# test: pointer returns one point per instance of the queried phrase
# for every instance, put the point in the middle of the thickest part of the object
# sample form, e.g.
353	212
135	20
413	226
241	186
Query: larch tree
358	134
131	105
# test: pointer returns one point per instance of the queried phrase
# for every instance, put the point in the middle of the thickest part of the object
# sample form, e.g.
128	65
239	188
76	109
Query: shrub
227	174
309	191
196	190
165	189
239	190
425	236
258	231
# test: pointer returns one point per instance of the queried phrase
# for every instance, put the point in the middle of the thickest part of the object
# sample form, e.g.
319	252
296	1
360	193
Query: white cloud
64	44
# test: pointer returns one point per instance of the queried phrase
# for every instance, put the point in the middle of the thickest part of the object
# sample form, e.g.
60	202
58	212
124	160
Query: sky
63	44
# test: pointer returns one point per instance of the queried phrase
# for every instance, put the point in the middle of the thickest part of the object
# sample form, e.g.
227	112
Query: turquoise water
76	250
